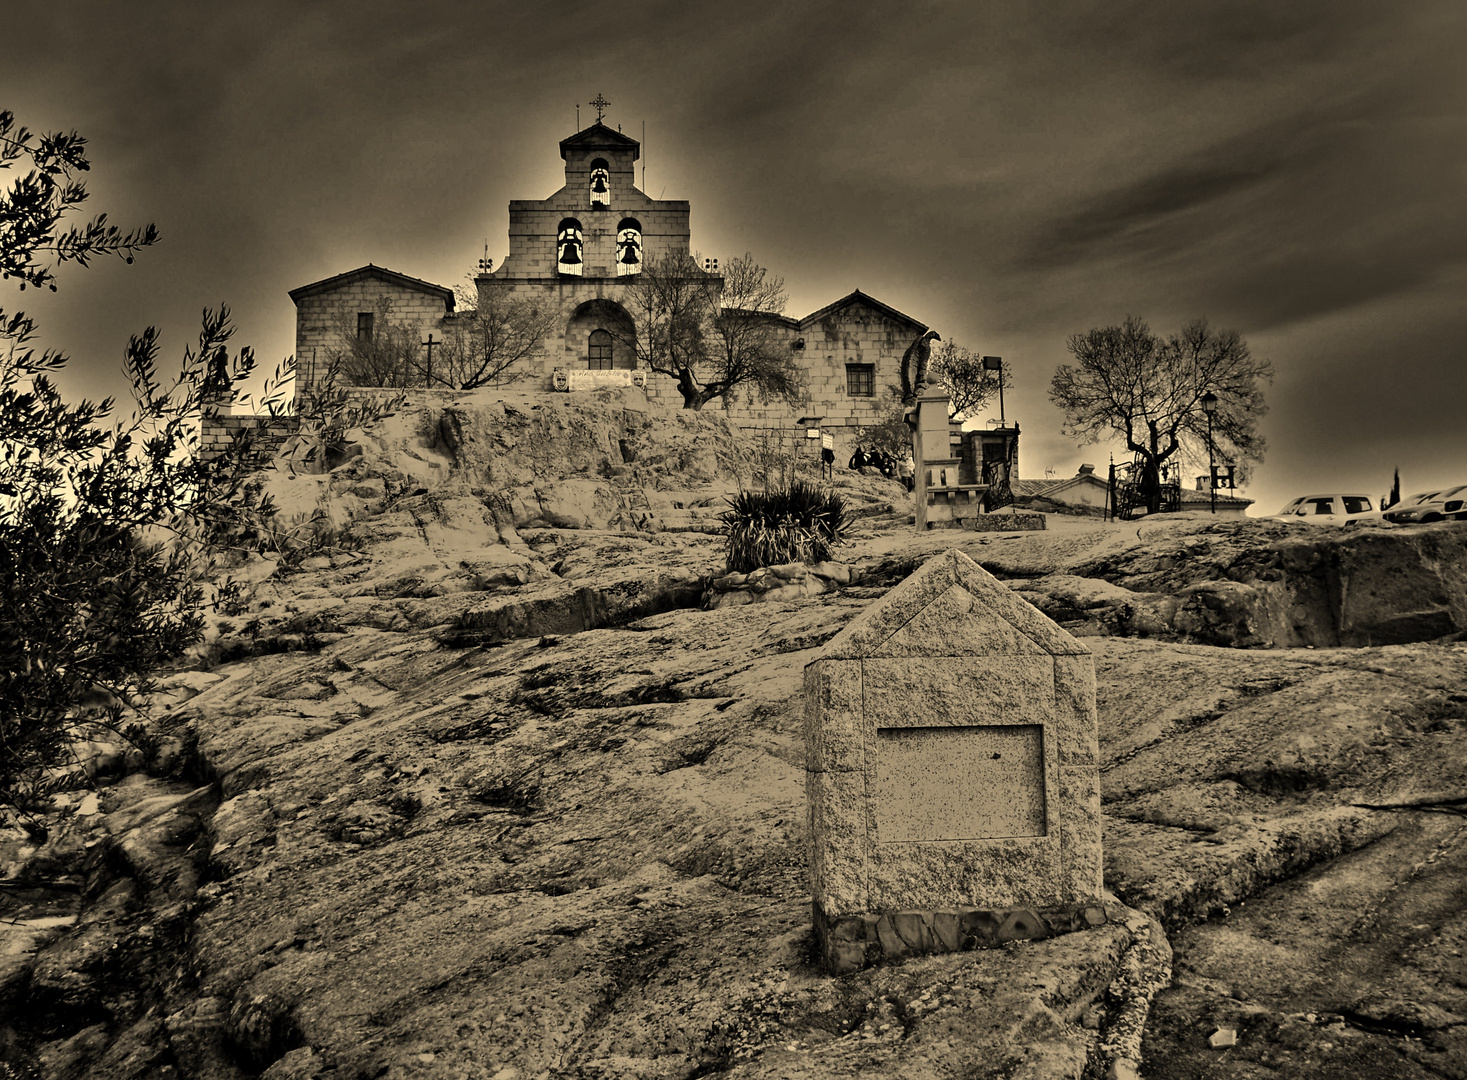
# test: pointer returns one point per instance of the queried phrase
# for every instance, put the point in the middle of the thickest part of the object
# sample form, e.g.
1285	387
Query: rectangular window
861	380
364	326
599	351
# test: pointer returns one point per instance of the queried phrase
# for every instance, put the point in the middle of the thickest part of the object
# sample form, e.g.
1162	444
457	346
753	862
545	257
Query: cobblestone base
851	942
995	522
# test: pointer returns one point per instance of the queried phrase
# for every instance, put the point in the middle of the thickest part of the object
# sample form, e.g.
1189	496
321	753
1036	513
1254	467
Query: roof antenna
644	155
578	116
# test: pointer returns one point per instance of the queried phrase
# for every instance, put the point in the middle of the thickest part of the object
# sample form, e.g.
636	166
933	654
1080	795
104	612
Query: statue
917	355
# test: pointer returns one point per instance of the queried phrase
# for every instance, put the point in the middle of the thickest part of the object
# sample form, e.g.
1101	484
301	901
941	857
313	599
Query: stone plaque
597	378
952	772
982	782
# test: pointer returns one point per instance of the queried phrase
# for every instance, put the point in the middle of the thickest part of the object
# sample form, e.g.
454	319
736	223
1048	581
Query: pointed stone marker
952	773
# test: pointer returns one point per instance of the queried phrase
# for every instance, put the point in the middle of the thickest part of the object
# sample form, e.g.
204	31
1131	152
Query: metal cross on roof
600	104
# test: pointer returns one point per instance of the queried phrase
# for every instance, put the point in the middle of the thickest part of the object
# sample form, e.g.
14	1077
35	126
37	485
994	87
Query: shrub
90	604
799	523
327	414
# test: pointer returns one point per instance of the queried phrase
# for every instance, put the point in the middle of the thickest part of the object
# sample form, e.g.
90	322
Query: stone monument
952	781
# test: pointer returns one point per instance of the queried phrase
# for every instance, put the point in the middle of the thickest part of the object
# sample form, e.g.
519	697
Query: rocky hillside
482	786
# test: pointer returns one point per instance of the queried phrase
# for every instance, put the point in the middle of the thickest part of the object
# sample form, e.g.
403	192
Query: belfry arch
597	328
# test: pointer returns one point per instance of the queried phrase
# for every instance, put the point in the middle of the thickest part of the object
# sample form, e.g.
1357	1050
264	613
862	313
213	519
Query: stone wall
534	225
218	432
854	334
323	319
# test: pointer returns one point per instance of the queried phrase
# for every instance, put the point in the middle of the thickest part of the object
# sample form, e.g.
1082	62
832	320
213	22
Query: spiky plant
797	523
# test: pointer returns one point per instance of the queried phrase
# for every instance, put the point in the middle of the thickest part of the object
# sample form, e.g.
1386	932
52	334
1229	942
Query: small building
334	313
1082	489
1087	489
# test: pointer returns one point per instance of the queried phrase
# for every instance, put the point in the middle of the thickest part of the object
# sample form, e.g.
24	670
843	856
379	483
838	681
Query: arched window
629	247
568	247
598	351
600	183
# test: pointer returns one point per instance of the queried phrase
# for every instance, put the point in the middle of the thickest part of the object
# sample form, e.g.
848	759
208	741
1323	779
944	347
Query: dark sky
1009	173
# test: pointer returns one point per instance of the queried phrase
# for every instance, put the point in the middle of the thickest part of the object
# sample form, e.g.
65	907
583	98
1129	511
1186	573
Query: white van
1329	510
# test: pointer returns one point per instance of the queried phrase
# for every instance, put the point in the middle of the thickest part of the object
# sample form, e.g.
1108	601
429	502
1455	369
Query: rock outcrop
477	787
1262	585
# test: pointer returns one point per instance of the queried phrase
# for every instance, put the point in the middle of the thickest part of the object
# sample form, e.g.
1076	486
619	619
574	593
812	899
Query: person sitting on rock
858	459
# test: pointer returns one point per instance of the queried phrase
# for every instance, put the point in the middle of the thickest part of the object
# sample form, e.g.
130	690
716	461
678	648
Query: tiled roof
379	273
1027	489
1190	495
859	297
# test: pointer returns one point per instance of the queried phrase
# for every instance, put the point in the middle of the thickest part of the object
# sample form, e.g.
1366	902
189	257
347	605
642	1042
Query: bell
570	253
629	255
598	183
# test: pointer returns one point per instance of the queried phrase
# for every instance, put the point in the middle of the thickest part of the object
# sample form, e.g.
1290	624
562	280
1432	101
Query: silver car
1435	506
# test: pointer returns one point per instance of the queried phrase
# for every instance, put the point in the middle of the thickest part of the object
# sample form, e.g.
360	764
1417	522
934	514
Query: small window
568	257
598	353
1319	506
364	326
861	380
600	183
1357	504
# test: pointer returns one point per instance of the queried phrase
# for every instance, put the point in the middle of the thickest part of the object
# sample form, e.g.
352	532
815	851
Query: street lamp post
1209	406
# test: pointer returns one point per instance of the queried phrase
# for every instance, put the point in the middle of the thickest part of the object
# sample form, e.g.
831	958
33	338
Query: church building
577	251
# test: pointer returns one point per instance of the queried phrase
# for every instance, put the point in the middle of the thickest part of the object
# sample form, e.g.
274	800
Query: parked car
1329	510
1431	506
1408	503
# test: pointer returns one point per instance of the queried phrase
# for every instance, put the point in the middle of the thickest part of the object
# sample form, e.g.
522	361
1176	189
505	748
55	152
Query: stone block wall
856	334
534	226
322	320
218	432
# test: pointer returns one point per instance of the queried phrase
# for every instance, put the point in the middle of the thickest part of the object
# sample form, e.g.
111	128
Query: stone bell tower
579	249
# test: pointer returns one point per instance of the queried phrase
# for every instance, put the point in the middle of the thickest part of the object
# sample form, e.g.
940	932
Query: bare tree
668	303
968	383
493	332
712	334
748	345
1149	391
382	352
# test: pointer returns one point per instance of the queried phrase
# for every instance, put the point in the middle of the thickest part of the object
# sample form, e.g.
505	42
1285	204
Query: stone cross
952	781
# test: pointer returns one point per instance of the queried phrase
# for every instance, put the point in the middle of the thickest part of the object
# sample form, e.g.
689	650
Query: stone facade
952	772
267	433
850	350
854	344
326	310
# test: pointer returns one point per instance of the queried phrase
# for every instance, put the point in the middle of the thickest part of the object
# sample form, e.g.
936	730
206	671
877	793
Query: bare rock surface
478	788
